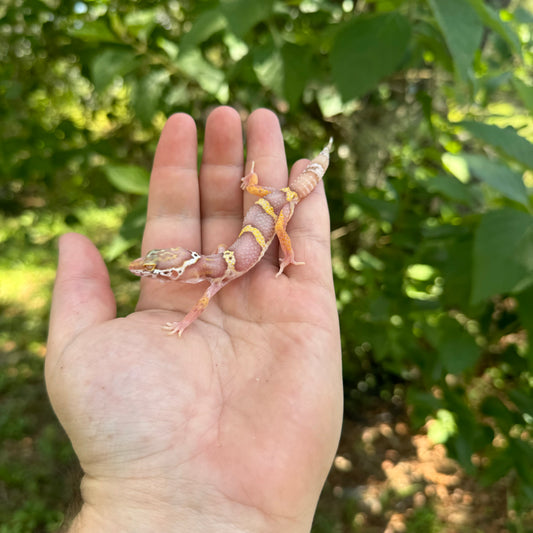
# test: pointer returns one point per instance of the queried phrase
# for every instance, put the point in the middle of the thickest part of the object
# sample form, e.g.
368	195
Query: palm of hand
244	408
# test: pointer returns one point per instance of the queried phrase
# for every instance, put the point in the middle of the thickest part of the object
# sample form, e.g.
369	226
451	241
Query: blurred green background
430	105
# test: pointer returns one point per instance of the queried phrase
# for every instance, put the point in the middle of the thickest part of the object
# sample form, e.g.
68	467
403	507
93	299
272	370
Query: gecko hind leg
284	239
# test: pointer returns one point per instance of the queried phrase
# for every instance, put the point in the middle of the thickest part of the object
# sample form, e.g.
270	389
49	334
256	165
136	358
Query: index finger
173	215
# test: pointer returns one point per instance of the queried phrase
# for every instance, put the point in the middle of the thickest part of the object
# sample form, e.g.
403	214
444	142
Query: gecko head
167	264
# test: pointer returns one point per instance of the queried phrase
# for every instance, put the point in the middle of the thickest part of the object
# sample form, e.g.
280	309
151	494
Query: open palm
233	426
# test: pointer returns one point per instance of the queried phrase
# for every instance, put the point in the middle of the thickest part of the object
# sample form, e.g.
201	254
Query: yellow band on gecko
256	233
267	207
290	195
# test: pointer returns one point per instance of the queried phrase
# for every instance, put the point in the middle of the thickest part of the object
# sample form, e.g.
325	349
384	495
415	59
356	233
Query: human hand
233	426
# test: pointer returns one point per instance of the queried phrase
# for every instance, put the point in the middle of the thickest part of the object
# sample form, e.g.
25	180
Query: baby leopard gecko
266	218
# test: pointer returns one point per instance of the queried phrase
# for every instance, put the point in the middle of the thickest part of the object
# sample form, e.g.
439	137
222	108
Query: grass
38	469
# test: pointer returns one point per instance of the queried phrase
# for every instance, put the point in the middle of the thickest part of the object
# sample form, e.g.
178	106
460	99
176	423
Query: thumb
82	294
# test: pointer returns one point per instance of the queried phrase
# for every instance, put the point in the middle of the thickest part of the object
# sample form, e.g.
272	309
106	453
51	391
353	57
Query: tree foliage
429	103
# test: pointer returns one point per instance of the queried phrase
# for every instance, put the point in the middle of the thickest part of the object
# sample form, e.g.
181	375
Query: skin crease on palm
233	426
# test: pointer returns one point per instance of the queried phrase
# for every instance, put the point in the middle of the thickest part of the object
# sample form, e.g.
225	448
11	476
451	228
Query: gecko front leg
250	183
194	313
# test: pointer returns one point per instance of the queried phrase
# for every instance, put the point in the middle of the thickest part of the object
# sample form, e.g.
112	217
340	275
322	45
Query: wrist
130	510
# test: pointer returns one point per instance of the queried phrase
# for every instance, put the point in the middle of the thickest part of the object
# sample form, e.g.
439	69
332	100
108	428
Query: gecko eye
149	267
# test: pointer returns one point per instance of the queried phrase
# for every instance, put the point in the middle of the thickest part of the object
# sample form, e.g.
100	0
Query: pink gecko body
266	219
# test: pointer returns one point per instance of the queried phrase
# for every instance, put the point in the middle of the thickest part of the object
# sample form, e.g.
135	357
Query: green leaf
429	39
523	15
525	312
211	79
110	63
376	207
204	26
456	268
96	31
331	104
296	71
242	15
133	224
525	92
457	349
128	178
522	454
462	30
237	48
450	187
500	462
366	50
492	20
499	176
170	47
117	247
284	71
494	407
525	252
147	94
523	400
499	240
442	428
268	67
424	403
457	166
141	22
505	139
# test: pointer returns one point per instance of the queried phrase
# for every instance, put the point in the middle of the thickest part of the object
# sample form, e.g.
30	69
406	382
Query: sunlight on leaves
442	428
